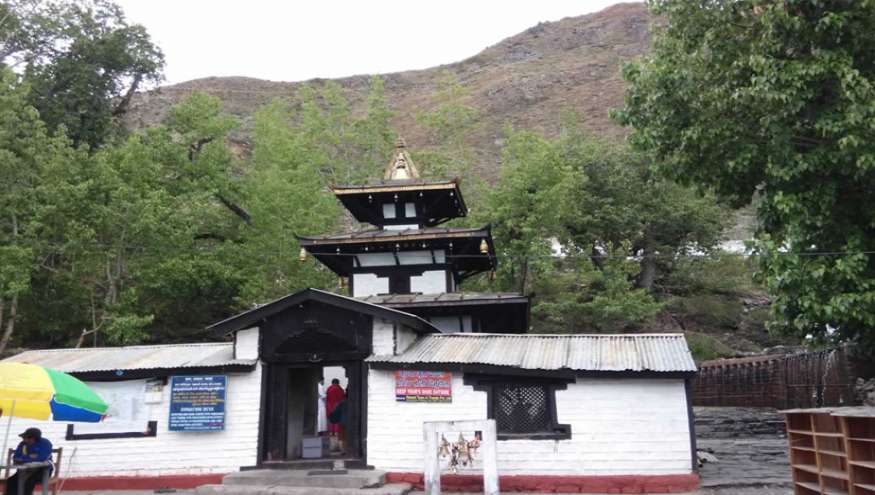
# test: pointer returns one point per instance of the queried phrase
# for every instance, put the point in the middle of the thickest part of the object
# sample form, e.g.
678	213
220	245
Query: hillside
526	80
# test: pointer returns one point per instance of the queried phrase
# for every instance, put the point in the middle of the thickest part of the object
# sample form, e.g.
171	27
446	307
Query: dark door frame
273	428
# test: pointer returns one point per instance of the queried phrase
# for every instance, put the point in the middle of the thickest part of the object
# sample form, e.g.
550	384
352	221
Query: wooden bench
54	481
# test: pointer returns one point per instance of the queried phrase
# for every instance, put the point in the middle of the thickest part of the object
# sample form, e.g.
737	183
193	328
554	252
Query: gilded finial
400	167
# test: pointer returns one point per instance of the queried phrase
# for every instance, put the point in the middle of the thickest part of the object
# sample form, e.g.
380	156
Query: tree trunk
10	323
125	102
524	274
13	306
648	270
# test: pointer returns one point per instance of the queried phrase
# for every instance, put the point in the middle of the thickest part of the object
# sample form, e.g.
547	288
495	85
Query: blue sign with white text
197	403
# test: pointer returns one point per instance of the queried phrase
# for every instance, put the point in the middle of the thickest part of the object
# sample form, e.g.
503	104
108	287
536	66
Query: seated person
33	448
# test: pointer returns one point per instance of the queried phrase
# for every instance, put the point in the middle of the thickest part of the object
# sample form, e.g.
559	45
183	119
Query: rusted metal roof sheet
453	298
140	357
633	352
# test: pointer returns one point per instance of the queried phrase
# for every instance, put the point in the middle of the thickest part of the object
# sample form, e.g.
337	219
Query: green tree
449	124
620	229
622	201
84	62
347	149
24	148
775	98
286	197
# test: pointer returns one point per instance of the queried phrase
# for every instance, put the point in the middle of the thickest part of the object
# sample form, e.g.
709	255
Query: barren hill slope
526	80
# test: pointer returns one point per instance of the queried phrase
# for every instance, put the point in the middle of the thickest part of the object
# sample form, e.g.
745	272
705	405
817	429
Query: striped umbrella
34	392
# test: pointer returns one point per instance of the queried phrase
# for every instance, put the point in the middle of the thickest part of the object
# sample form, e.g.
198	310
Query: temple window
523	408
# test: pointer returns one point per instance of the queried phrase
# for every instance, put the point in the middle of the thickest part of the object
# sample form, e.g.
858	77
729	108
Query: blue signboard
197	403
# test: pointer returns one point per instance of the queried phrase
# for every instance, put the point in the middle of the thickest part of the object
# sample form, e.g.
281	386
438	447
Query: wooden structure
783	381
832	450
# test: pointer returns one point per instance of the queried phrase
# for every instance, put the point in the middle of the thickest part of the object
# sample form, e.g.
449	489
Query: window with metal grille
522	407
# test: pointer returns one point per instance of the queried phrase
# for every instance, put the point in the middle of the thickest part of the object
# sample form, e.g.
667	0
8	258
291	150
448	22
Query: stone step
389	489
352	478
311	464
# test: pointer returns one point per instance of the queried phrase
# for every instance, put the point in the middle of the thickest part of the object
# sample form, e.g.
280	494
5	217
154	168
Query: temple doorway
311	418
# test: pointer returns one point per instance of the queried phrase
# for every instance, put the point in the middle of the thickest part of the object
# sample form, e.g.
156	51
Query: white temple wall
618	426
430	282
169	452
368	284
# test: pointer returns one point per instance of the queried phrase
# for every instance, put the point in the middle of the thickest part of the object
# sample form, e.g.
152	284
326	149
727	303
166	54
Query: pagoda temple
405	356
408	261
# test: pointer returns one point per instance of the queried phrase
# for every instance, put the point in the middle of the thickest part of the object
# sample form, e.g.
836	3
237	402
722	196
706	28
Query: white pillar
432	471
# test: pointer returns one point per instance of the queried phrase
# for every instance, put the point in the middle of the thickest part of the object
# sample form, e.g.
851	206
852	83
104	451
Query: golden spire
401	167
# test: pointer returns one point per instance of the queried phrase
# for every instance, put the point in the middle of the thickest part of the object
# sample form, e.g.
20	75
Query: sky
294	40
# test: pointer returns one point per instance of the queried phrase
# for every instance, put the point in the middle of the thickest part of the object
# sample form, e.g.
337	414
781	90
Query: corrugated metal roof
633	352
401	300
133	357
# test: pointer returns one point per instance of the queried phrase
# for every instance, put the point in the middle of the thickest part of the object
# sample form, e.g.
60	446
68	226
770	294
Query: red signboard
423	386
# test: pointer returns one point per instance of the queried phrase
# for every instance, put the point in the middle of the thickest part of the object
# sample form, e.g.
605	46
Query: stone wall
735	422
749	444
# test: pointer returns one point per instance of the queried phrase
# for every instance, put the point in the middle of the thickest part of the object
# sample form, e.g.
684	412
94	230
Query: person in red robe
333	396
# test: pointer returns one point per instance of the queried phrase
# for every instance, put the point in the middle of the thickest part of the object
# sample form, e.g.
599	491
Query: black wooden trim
363	370
688	393
254	316
486	383
262	414
137	374
411	270
151	431
513	371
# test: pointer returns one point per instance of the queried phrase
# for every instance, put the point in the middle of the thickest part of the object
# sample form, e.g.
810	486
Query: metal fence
812	379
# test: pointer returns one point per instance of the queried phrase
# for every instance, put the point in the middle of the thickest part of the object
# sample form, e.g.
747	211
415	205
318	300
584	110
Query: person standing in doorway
321	408
333	397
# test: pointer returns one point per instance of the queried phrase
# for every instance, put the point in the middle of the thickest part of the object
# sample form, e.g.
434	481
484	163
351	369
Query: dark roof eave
480	368
461	302
400	235
256	315
143	373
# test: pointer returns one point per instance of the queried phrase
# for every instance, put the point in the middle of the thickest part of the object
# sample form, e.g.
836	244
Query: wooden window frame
151	431
487	383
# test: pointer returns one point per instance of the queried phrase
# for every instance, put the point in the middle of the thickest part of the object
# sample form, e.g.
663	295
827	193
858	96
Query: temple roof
445	299
464	247
396	186
380	235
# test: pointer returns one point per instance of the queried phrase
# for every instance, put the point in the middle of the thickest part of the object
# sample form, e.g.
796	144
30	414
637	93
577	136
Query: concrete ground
730	490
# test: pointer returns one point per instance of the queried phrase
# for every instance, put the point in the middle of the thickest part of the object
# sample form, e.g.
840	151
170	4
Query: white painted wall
383	340
246	344
430	282
368	284
169	452
618	426
404	338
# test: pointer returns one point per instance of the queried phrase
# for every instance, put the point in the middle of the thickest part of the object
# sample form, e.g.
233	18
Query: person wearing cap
33	448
